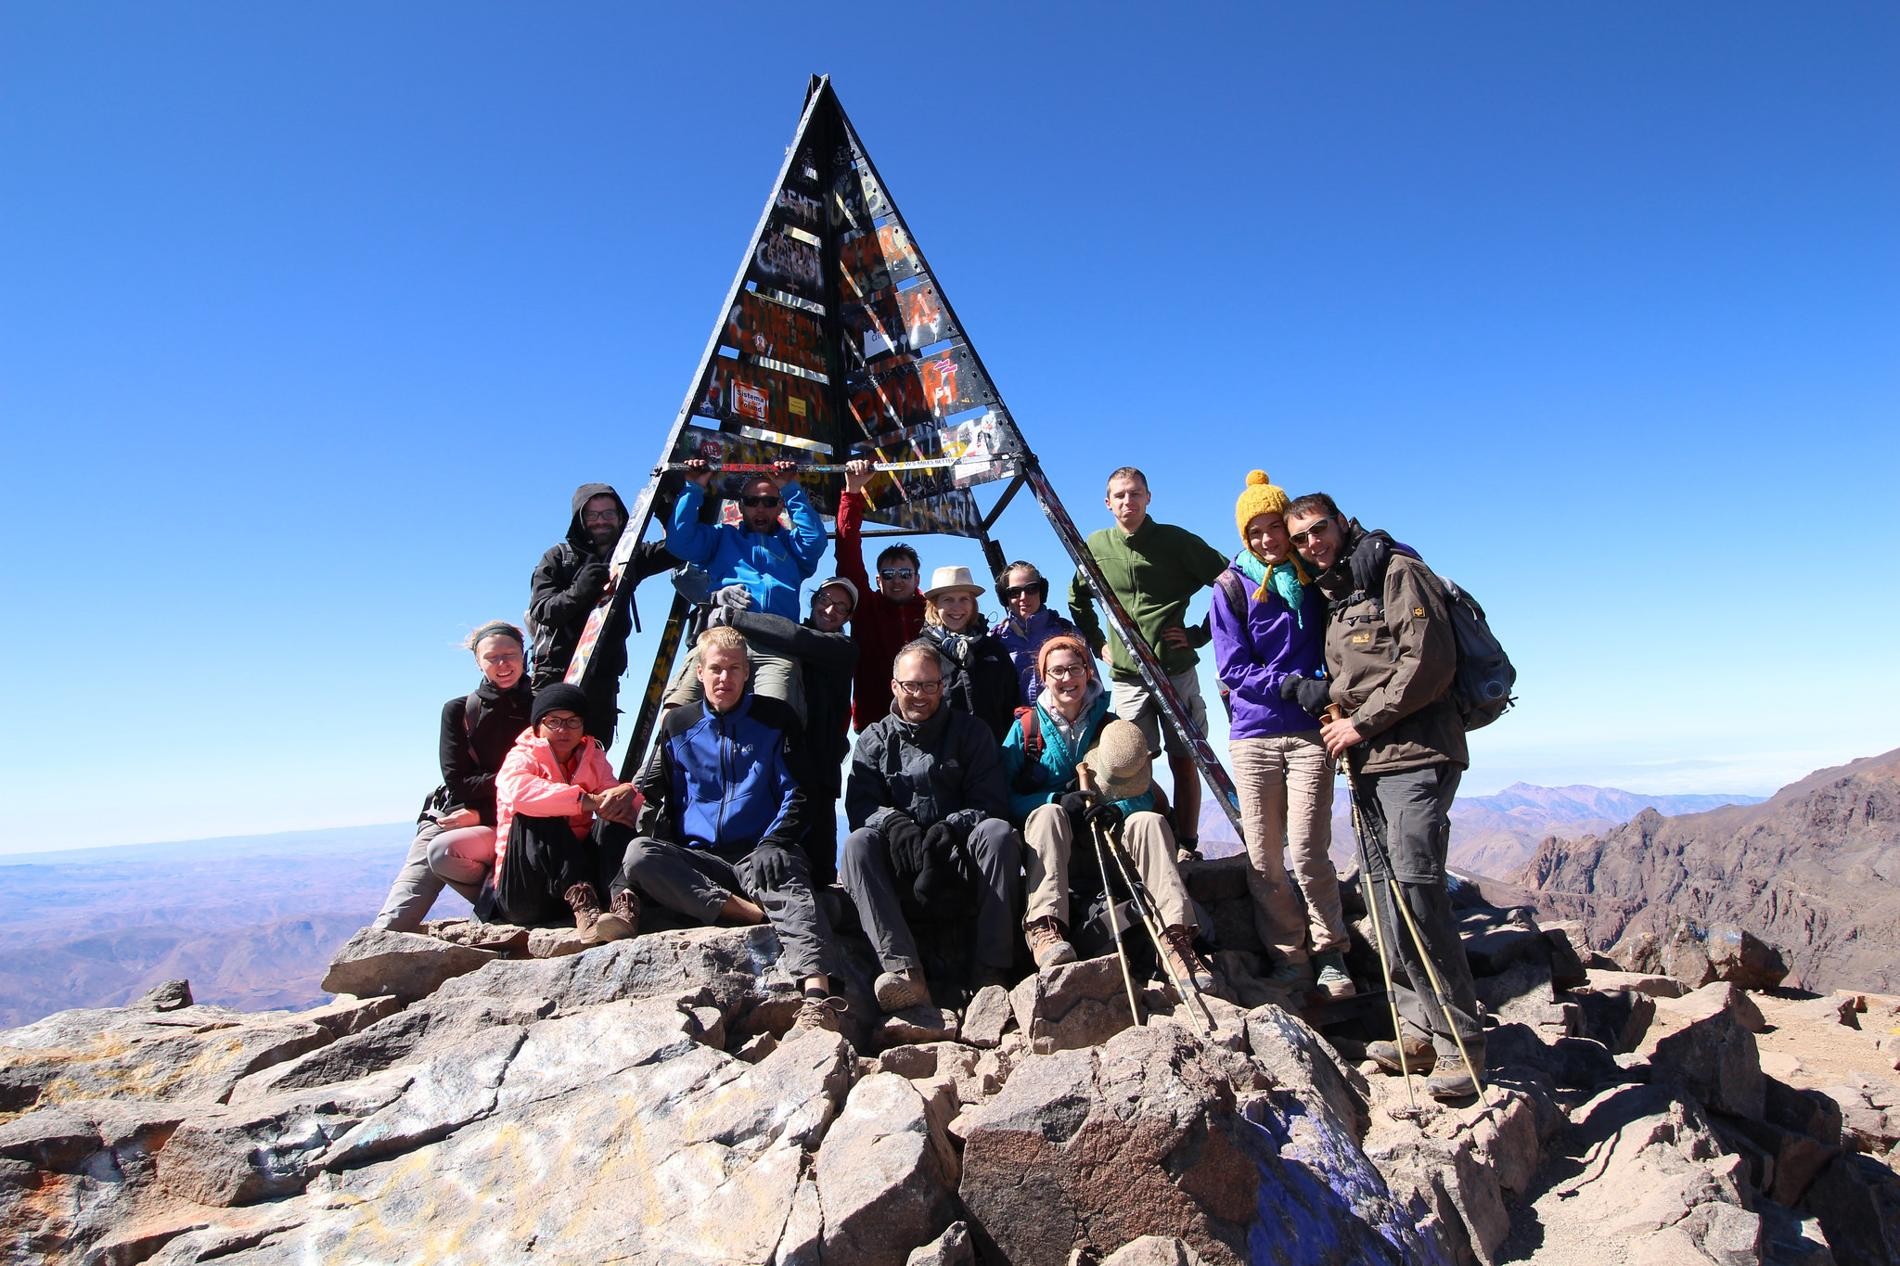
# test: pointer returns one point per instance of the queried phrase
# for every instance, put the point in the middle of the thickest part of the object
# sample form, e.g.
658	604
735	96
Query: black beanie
559	697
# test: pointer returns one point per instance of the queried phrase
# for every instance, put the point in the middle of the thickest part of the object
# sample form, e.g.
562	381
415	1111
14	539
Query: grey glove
738	597
718	616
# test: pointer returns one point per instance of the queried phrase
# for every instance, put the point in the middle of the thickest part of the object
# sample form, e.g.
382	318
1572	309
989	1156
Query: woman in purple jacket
1269	621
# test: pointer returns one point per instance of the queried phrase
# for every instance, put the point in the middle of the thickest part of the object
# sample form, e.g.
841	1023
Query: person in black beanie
563	825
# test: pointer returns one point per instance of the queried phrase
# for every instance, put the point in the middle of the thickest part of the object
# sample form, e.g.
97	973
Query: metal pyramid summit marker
836	342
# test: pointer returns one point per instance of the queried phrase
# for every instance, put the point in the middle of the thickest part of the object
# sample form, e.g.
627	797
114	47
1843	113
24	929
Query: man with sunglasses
758	563
929	812
888	616
1390	657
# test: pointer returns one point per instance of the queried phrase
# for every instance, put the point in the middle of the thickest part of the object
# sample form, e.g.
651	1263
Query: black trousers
545	858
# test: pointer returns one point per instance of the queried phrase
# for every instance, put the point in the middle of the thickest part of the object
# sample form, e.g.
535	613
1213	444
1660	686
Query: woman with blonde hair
980	677
455	836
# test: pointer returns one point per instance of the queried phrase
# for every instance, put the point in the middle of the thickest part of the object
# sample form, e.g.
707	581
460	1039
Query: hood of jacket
577	535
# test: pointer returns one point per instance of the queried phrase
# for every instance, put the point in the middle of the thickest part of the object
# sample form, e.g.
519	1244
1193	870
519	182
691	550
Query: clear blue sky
311	318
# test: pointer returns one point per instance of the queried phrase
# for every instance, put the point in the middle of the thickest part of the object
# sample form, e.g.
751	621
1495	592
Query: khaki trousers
1048	840
1286	802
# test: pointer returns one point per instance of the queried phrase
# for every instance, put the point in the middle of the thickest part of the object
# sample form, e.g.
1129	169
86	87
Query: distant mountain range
1815	870
253	921
1496	835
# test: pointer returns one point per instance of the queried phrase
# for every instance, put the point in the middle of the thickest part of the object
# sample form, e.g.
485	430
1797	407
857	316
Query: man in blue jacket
757	564
722	832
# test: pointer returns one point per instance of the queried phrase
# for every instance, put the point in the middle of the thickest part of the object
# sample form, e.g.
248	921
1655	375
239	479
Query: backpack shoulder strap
1031	722
468	725
1234	589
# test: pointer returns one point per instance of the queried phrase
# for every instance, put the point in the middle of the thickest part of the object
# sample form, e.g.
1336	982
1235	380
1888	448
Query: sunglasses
1013	592
760	501
1318	529
897	573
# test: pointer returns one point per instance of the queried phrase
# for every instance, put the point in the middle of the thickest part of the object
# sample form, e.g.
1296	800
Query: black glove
938	878
905	840
589	580
1076	803
1314	696
1368	563
1106	816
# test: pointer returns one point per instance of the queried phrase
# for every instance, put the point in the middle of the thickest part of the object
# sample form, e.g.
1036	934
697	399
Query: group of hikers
987	755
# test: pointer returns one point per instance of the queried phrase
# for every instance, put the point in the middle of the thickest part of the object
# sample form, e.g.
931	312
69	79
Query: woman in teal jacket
1041	752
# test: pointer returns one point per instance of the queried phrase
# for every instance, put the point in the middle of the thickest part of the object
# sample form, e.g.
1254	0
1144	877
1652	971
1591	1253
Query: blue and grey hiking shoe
1333	980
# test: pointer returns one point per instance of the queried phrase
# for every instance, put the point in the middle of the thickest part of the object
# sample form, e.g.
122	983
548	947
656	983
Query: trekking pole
1425	960
818	468
1372	908
1146	910
1150	912
1083	776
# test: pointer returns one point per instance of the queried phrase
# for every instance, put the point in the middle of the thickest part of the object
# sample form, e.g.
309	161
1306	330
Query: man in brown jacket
1390	657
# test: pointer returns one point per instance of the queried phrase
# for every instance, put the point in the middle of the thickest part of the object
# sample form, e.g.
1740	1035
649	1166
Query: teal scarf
1284	579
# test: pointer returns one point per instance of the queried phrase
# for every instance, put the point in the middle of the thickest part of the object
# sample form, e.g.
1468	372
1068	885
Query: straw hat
1120	761
951	579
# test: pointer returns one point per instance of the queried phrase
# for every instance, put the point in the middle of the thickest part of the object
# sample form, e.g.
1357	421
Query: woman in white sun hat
981	679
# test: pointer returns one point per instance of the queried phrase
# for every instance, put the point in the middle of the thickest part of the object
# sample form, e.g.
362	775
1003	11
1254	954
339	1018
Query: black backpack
1481	684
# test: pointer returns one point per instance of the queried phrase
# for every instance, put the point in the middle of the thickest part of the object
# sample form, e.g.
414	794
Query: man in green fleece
1154	569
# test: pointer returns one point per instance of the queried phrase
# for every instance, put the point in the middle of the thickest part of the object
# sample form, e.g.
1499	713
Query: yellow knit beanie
1259	497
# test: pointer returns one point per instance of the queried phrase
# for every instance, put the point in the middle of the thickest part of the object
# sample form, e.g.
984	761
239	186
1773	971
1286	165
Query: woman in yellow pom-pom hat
1269	621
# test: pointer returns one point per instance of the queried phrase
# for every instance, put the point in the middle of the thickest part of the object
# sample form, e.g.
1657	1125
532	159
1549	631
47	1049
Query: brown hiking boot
1186	961
1419	1055
896	990
622	921
585	903
1047	943
818	1012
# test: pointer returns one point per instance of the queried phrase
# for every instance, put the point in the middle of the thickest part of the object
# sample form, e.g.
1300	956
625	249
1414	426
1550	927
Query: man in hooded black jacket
568	583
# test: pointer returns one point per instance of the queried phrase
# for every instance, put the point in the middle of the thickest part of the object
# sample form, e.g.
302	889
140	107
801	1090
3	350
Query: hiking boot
1187	849
622	921
896	990
585	903
818	1012
1333	980
1186	961
1451	1084
1047	944
1419	1055
1293	977
987	976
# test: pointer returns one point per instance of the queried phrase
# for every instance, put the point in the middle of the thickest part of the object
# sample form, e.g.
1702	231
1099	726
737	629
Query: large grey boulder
1712	1055
1074	1005
192	1053
404	965
1090	1149
885	1175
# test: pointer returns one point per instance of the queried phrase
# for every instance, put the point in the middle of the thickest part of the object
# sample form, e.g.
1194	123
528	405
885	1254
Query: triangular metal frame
823	131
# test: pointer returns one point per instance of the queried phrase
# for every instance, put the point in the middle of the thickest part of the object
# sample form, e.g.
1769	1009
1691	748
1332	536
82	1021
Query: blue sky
312	318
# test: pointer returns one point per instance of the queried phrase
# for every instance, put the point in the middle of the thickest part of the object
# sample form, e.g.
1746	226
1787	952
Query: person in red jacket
562	825
887	617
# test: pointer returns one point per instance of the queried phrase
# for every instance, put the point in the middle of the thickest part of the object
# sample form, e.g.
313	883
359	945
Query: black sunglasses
1012	592
759	501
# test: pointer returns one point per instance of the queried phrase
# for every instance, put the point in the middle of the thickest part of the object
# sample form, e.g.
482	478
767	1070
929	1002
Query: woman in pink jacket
562	826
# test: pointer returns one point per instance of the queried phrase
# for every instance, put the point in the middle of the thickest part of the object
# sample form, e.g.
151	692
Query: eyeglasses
760	501
552	722
1013	592
600	516
1317	530
1062	672
915	688
897	573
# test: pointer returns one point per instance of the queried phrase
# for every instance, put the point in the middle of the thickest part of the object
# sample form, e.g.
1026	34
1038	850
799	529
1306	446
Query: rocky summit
475	1096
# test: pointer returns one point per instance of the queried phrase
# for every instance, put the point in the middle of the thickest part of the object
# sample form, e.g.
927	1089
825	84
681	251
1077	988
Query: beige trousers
1148	840
1286	802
